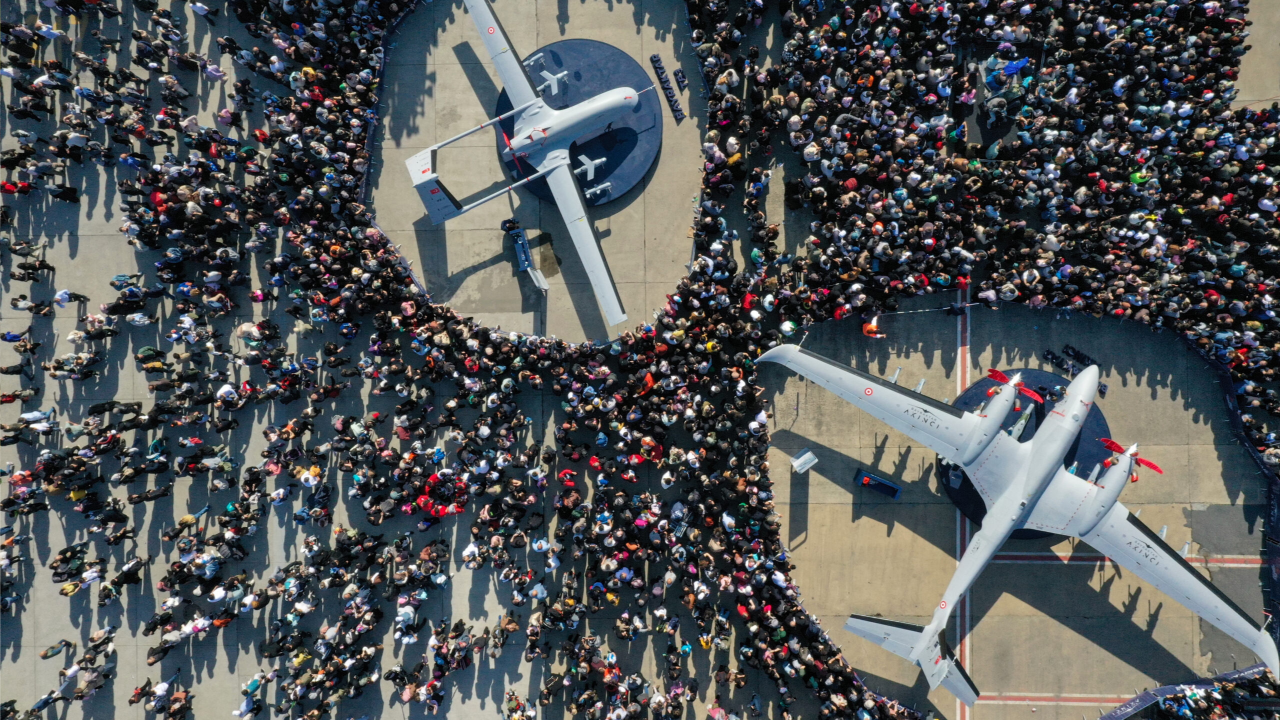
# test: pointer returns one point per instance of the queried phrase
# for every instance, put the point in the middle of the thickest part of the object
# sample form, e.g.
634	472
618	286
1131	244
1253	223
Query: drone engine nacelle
1109	489
989	426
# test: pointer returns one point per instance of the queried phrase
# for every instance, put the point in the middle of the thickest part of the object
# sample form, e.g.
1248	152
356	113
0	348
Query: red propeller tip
1111	445
1147	463
998	376
1031	394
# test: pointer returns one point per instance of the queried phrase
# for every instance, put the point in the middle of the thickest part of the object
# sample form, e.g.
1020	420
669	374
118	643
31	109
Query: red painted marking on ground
962	344
1052	558
963	531
962	523
1030	699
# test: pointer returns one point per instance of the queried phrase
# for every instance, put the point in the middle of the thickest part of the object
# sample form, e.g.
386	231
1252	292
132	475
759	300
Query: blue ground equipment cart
880	485
524	259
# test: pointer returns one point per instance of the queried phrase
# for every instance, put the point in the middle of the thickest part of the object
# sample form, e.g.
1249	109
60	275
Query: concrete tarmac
1063	638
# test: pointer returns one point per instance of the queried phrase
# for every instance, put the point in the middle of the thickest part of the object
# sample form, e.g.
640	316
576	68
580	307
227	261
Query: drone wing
515	79
942	428
572	208
1066	508
1123	538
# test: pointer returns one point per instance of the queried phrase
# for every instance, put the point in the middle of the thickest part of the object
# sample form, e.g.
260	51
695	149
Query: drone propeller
1031	394
1112	445
1147	463
1003	379
1117	448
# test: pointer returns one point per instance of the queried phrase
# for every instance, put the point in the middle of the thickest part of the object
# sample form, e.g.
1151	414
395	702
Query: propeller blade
998	376
1147	463
1031	394
1112	445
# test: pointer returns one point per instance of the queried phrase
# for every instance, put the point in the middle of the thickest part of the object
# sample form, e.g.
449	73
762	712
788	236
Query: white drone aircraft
540	140
1024	485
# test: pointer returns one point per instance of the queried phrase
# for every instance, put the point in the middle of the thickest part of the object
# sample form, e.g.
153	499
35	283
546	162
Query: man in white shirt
205	12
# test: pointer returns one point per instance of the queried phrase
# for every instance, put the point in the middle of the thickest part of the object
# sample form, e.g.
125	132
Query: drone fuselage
541	128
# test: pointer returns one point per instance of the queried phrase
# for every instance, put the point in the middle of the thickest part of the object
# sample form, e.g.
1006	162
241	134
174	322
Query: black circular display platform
1087	451
629	148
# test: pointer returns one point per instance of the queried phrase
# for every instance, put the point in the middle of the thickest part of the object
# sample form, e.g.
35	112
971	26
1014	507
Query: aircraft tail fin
440	203
930	654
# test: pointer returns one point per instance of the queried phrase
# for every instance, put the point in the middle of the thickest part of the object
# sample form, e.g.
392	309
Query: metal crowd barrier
1142	702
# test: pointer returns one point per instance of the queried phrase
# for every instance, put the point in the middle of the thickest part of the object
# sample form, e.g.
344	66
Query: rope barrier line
956	306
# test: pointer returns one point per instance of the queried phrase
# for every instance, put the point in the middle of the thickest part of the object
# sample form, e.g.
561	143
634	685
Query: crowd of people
80	678
1224	700
1130	189
197	213
1107	172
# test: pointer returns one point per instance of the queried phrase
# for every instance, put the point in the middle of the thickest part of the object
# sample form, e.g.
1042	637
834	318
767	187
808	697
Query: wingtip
1267	651
965	690
777	354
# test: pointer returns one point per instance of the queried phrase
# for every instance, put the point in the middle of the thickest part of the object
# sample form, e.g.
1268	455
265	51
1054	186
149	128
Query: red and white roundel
943	604
867	391
490	31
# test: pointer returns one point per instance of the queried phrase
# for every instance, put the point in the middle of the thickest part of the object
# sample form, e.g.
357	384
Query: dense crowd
1131	189
197	213
1108	174
1224	700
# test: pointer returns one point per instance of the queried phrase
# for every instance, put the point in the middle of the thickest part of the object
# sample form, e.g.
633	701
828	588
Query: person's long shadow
103	703
142	603
11	626
1122	632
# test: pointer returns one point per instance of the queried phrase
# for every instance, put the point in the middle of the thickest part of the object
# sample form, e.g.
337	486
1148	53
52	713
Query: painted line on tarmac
1052	558
963	528
964	531
1064	699
962	343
